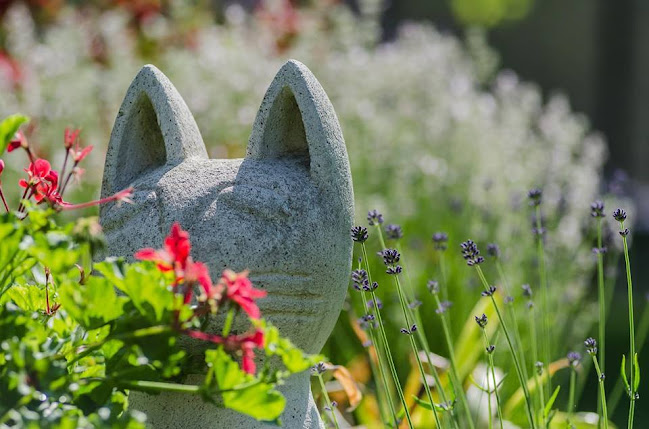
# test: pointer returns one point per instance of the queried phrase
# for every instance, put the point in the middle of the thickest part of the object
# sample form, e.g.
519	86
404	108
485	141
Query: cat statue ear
296	119
154	128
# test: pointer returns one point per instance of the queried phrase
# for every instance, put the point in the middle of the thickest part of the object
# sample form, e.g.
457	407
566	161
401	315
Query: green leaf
93	304
246	394
28	297
548	406
147	287
623	373
636	377
8	128
294	359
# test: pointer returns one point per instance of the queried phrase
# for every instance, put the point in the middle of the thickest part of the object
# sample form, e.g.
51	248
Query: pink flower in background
70	137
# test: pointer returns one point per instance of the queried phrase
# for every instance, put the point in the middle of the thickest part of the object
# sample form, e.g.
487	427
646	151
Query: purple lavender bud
597	209
374	217
393	232
619	215
359	234
535	195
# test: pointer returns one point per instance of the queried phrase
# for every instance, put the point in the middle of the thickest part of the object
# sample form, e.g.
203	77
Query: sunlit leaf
518	398
294	359
550	403
241	392
28	297
623	373
8	128
93	304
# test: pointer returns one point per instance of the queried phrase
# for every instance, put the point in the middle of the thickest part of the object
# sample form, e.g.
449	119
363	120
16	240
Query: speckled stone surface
284	212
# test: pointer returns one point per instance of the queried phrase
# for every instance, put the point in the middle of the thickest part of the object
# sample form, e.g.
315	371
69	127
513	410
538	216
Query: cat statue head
283	212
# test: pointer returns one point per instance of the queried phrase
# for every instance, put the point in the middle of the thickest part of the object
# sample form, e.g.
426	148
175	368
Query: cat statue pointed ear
284	212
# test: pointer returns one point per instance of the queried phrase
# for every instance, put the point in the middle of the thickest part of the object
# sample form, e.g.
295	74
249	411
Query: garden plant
475	166
77	336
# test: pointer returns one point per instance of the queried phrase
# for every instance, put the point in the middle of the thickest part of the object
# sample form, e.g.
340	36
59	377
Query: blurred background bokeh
451	111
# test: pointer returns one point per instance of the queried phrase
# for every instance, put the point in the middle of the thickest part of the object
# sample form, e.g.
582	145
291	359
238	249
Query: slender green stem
643	333
629	283
227	326
571	395
455	378
512	317
602	308
601	297
415	351
517	364
444	286
421	334
379	359
161	386
139	333
388	353
545	314
489	413
492	369
442	269
535	357
327	400
602	393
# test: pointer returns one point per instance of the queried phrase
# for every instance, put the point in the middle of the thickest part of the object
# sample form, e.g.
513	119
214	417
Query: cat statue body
283	212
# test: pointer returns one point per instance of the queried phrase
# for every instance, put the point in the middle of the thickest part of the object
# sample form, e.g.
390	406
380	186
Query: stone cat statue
284	212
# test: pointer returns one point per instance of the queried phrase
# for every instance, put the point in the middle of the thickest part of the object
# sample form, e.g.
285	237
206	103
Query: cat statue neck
283	212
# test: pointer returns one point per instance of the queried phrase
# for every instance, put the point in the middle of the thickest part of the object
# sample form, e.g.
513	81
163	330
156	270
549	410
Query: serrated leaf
548	406
147	287
623	373
93	304
636	377
28	297
258	400
8	128
294	359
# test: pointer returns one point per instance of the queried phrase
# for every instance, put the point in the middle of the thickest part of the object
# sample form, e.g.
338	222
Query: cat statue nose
283	212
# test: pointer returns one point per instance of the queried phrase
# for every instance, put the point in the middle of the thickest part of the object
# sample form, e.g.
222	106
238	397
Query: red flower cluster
240	290
174	256
233	287
44	184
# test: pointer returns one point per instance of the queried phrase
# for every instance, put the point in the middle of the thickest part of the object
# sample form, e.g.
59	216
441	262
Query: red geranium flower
240	290
43	182
175	253
246	343
38	171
